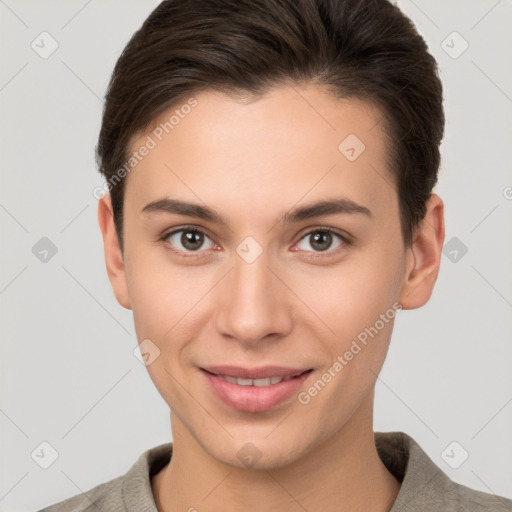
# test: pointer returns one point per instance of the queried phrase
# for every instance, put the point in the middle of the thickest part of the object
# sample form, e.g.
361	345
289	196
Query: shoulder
126	493
106	496
460	497
424	486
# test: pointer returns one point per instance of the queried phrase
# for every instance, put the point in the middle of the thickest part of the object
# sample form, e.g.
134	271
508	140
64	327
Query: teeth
255	382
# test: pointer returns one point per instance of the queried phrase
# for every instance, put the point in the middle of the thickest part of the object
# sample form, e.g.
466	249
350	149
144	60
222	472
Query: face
266	284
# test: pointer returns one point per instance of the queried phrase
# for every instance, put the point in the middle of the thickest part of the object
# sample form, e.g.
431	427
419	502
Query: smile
255	390
268	381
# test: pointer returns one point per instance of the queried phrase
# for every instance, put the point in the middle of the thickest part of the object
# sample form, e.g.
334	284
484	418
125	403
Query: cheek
359	306
352	296
163	300
161	293
169	305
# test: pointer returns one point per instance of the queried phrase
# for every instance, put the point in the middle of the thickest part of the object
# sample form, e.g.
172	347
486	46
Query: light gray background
68	374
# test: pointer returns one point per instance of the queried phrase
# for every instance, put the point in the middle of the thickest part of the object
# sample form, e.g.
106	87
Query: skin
294	306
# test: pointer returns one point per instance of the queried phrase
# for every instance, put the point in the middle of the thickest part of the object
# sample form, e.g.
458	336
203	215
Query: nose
253	304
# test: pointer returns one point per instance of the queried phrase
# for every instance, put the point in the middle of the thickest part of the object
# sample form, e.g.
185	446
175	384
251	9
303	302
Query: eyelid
346	241
345	238
186	254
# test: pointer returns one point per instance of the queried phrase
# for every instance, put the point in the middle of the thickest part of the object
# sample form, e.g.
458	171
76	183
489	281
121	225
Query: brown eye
321	240
190	240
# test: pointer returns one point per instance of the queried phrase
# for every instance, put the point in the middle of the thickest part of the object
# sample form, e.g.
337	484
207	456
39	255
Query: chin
257	452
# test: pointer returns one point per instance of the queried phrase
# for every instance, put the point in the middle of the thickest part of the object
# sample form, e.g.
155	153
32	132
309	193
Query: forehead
292	143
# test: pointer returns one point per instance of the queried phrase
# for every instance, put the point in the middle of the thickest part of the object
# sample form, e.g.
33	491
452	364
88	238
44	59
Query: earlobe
424	256
112	250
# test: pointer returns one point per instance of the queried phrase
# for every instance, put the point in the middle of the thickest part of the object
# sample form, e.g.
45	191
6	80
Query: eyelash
346	241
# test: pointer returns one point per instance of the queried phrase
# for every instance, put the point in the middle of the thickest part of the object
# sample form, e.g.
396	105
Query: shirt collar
421	480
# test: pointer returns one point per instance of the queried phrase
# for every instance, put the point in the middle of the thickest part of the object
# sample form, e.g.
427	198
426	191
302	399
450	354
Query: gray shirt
424	487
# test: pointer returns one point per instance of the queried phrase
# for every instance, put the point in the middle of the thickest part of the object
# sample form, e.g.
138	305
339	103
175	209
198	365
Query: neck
344	473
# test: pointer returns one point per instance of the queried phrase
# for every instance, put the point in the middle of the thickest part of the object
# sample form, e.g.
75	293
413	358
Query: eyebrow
326	207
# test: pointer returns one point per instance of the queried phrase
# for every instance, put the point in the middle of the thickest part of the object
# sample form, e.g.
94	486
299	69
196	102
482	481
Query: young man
269	167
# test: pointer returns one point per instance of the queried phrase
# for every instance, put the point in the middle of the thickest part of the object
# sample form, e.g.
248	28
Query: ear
113	255
424	256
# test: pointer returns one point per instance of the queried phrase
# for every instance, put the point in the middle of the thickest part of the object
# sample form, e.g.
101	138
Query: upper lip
261	372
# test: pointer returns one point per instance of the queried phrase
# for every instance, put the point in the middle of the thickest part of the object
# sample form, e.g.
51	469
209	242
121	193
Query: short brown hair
365	49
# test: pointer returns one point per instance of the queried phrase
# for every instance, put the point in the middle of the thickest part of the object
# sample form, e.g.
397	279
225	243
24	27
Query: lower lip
254	398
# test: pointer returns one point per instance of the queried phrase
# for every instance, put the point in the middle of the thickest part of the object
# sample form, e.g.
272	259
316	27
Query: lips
254	389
